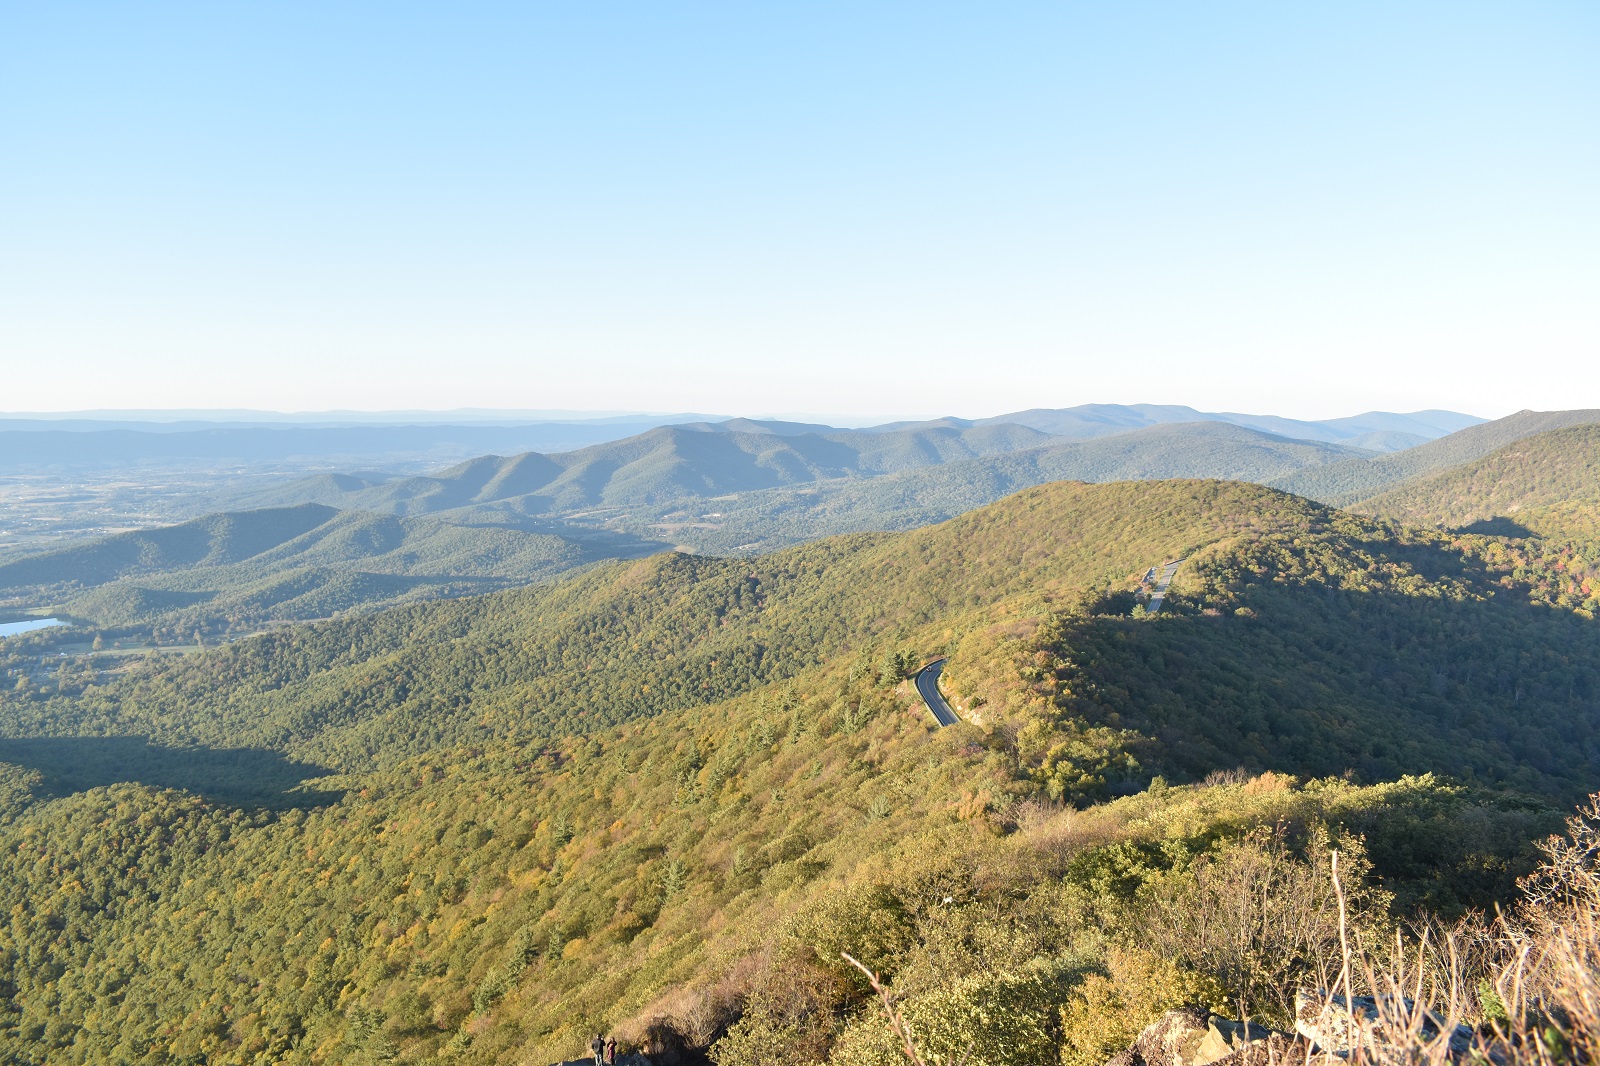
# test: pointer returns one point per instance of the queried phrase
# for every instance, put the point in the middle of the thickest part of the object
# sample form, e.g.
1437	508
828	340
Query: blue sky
858	209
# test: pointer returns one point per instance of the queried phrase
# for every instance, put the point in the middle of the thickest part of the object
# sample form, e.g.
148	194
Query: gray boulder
1336	1027
1193	1037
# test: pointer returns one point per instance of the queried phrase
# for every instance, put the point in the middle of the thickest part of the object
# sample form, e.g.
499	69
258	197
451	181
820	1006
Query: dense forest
1347	482
632	639
1548	484
233	571
660	797
773	517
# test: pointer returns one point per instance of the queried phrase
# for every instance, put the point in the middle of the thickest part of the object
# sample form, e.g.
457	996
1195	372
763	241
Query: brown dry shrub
1523	990
1256	914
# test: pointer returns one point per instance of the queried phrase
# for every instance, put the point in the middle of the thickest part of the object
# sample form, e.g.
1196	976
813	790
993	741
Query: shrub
1001	1019
1108	1011
1254	915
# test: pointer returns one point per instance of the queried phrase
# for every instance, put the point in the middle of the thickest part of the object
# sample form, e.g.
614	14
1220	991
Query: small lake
11	629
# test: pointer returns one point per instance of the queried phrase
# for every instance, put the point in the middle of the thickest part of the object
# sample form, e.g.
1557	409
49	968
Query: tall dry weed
1521	990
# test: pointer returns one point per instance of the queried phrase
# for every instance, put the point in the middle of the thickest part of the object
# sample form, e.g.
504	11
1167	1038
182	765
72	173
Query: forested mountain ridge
912	498
680	629
1378	430
1353	480
663	795
670	463
305	561
1549	482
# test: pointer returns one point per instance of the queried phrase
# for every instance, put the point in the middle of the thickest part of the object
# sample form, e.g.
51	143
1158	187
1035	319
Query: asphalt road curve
1162	582
927	682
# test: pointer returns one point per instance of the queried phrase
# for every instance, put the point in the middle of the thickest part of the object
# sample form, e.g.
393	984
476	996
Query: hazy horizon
889	211
489	414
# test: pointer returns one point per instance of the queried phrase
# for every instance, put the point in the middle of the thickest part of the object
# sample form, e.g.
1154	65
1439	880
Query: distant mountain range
661	466
306	547
32	444
1379	431
713	459
768	518
747	484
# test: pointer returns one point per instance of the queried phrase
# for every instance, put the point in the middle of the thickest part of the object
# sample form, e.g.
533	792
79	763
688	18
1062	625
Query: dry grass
1520	990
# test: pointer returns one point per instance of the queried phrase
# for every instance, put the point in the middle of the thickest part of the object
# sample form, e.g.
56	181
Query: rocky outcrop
1192	1037
1327	1030
1336	1027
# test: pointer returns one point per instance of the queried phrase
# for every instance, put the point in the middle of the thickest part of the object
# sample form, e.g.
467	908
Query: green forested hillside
1438	637
305	561
1549	483
1356	479
498	905
665	464
630	639
663	795
763	520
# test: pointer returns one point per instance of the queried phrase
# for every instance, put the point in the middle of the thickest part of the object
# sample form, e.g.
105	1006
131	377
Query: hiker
598	1046
611	1051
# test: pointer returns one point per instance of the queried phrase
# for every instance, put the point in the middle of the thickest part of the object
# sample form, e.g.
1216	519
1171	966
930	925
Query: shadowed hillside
247	777
1341	648
1549	482
1347	482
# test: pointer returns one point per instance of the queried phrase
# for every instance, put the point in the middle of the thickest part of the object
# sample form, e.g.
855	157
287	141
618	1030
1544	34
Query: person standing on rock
611	1051
598	1046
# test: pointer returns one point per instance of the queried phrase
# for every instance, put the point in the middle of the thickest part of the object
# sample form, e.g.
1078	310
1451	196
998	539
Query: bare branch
895	1021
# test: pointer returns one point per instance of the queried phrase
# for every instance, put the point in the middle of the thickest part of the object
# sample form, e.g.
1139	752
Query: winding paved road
927	682
927	679
1162	582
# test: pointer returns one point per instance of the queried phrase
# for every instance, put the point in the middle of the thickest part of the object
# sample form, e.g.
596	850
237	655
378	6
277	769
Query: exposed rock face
1170	1040
1336	1028
1224	1038
1191	1037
